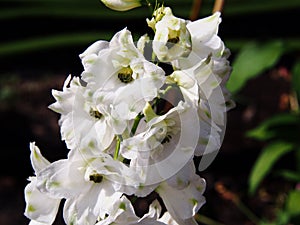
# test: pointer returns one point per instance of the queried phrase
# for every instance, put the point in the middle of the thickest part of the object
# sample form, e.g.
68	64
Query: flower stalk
113	153
218	6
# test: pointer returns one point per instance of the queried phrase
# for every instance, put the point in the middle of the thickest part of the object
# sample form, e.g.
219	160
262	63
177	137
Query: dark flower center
95	113
125	75
96	178
174	40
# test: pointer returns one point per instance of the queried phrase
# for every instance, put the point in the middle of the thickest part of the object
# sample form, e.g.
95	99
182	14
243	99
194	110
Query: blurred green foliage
73	11
270	154
253	59
280	133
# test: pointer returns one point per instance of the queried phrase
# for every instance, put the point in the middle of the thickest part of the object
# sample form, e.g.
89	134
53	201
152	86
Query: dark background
39	46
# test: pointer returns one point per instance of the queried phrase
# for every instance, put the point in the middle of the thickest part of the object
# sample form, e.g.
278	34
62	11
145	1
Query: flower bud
121	5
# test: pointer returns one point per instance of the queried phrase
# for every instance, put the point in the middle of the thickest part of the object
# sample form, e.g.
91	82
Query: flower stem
205	220
229	195
117	149
136	123
294	102
218	7
195	10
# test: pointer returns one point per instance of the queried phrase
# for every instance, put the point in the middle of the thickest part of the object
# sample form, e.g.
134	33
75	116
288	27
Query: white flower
205	80
36	209
118	75
88	182
172	39
182	194
202	77
80	120
123	214
203	85
121	5
205	40
165	146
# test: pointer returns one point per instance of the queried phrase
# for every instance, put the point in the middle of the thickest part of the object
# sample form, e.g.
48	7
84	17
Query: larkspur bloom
118	81
123	213
201	77
204	36
88	182
172	39
123	142
176	38
122	5
81	120
182	194
36	209
203	85
164	147
118	75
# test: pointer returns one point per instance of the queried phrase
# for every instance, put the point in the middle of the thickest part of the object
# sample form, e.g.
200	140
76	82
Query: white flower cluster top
134	121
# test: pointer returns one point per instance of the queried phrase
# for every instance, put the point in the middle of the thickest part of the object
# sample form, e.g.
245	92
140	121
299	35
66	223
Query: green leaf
268	157
283	218
292	203
55	41
274	126
290	175
252	60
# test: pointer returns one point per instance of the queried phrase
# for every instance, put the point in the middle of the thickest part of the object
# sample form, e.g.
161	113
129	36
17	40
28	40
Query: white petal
33	222
39	207
63	179
37	160
183	204
122	212
169	29
203	29
94	203
121	5
167	219
154	211
143	40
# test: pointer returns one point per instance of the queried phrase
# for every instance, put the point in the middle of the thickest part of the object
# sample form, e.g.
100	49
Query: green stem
136	123
116	153
206	220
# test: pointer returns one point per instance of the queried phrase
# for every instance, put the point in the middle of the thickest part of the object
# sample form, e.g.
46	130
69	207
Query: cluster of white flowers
133	127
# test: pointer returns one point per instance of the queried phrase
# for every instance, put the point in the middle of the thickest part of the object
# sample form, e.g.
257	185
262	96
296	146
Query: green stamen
136	123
